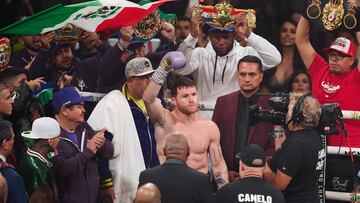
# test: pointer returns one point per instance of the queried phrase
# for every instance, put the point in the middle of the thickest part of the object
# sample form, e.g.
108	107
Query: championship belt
333	14
313	11
147	28
5	52
68	33
223	15
350	21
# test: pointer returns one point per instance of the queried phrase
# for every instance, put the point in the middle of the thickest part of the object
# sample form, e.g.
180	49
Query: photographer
296	166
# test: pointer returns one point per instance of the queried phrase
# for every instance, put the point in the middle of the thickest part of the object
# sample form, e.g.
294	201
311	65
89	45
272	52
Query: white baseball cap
43	128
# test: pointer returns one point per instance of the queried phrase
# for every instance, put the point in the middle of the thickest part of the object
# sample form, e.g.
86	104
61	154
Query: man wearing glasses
334	81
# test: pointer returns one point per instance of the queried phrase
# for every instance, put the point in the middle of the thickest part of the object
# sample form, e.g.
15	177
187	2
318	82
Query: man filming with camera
296	165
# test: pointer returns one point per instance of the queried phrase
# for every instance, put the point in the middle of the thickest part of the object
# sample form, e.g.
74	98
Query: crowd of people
175	123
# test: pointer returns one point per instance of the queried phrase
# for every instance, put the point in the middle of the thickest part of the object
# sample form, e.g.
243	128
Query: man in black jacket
178	182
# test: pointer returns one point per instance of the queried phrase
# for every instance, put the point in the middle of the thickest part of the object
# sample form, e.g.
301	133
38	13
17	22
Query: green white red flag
93	16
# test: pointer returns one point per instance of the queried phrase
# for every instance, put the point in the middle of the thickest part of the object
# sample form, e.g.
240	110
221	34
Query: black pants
340	174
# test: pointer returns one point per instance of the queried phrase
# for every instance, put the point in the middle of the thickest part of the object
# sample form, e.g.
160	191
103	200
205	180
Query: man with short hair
6	101
178	182
17	191
75	165
185	118
182	27
148	193
335	81
138	72
35	167
232	114
250	187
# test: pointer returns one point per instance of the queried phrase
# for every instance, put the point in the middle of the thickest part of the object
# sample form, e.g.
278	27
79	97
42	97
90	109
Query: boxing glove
171	60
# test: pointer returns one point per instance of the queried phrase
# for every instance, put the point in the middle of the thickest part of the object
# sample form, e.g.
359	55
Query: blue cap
54	46
219	29
66	97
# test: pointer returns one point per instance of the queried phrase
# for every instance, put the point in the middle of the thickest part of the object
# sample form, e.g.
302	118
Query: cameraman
296	166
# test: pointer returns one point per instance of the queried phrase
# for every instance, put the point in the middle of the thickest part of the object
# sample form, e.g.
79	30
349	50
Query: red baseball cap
342	45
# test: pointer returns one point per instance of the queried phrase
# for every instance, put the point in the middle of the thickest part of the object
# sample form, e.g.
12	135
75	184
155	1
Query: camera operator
296	166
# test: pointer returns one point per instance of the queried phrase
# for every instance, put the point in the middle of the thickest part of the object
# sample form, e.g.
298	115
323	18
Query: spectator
25	109
299	82
215	64
275	79
334	81
113	113
148	193
6	101
17	191
3	189
177	181
232	115
182	28
296	166
35	167
33	56
138	72
75	166
250	187
205	144
63	69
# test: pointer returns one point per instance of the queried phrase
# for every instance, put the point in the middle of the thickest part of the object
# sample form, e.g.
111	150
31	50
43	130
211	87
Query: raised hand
36	84
241	27
46	39
168	31
196	20
126	33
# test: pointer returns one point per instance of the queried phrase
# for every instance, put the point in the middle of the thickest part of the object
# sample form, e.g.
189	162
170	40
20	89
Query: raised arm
307	52
218	163
155	110
267	52
188	45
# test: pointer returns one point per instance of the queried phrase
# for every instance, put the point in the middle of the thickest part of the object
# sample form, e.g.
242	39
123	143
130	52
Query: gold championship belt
223	15
68	33
333	14
313	11
148	27
5	52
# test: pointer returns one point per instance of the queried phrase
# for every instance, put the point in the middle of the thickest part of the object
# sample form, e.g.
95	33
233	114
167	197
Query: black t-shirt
301	157
251	189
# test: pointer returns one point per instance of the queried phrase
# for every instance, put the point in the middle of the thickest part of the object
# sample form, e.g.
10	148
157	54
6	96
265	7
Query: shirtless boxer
203	135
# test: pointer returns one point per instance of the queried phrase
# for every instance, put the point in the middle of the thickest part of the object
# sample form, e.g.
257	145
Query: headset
297	114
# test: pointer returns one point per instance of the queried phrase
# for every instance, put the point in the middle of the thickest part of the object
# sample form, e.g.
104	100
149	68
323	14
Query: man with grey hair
296	166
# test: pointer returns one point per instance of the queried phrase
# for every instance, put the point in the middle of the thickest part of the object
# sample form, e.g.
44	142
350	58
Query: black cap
10	72
252	155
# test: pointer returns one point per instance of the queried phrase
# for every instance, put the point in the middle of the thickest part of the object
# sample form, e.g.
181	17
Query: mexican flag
92	16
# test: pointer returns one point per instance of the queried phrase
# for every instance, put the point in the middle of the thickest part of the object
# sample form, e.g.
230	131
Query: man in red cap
334	81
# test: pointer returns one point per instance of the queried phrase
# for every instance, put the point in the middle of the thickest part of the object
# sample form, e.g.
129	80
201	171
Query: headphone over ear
297	115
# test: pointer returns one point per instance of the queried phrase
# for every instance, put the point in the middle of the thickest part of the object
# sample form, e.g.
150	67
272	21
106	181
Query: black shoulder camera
330	123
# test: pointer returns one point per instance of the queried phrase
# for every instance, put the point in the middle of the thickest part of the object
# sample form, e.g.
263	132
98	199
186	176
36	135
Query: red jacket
225	117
